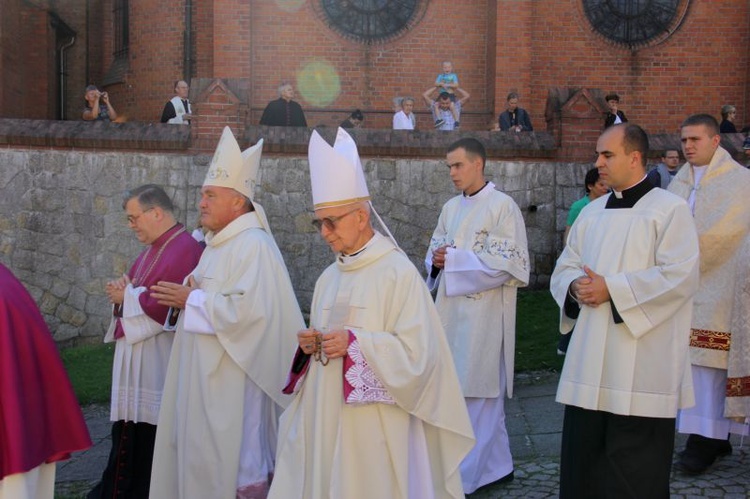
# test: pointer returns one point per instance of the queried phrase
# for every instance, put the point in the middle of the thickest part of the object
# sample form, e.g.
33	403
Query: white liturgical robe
648	255
330	449
487	261
234	342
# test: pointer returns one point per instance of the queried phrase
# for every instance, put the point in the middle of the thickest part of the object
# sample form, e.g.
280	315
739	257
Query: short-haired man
614	115
178	111
143	339
235	339
378	411
514	118
477	259
625	280
715	187
284	111
445	111
664	172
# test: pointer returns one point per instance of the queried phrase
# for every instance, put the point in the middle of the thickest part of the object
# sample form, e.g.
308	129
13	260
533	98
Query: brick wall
702	66
24	64
496	46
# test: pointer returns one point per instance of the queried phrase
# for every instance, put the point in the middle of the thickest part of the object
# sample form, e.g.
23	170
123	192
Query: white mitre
336	175
232	168
336	172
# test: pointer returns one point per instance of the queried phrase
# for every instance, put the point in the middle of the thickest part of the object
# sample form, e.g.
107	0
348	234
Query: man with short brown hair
664	172
716	188
477	259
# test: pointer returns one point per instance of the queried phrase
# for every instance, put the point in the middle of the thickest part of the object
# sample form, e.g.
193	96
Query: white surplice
487	260
234	343
37	483
329	449
648	255
140	362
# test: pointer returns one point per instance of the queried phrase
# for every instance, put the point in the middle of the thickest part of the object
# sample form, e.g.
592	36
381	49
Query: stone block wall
63	232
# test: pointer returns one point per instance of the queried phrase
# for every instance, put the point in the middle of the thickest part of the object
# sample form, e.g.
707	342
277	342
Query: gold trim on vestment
712	340
341	202
738	387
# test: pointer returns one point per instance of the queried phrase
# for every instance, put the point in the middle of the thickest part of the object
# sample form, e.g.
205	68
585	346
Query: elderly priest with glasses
378	410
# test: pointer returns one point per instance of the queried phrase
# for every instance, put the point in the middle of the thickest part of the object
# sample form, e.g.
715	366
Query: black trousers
128	471
608	456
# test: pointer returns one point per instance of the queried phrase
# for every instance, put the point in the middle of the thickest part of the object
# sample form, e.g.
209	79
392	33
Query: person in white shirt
405	119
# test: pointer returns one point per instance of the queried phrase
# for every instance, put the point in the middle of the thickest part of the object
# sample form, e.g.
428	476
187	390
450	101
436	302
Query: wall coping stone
163	137
94	134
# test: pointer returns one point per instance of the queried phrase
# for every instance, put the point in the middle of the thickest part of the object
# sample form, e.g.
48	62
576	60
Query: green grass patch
537	332
90	366
90	370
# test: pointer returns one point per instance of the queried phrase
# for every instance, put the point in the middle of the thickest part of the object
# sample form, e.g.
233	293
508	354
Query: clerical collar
630	196
166	235
477	192
353	256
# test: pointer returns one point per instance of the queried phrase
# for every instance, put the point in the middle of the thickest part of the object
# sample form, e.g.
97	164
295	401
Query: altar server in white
378	411
235	338
477	259
625	280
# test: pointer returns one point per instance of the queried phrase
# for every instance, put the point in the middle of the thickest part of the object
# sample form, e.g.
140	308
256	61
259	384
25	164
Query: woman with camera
98	106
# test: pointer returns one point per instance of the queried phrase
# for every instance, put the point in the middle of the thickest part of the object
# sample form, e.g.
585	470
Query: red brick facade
496	46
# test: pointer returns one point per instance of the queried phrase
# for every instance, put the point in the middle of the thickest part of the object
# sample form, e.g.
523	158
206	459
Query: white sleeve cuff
136	325
465	274
196	315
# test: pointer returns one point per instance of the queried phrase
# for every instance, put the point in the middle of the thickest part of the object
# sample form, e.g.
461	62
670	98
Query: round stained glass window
635	23
370	21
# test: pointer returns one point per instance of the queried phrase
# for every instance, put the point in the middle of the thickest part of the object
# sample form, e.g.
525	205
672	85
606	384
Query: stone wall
63	232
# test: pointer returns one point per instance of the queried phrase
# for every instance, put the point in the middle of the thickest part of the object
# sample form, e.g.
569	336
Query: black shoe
700	453
563	343
439	123
506	479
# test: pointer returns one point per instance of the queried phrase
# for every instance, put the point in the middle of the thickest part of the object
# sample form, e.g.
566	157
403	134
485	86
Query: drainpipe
188	40
63	75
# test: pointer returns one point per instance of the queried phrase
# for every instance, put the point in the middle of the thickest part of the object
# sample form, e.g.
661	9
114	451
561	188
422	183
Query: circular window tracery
635	23
370	21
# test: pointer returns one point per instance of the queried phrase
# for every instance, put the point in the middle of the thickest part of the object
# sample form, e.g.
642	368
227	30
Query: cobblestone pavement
534	423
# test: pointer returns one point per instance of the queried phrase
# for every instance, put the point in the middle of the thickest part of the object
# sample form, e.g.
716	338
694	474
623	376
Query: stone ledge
405	143
94	135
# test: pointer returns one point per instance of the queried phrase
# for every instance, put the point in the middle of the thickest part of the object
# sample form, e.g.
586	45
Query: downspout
188	40
63	75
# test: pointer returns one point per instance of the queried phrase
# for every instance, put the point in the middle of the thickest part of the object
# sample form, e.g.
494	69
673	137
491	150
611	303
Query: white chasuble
722	218
476	298
213	378
329	449
649	259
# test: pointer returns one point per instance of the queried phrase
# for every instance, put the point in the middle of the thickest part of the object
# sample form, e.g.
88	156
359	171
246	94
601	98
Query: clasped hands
590	289
332	344
115	289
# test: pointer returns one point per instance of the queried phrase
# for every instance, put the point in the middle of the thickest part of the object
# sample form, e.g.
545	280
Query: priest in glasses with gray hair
378	410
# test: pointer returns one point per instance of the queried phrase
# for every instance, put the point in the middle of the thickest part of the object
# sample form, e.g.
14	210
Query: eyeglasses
132	219
330	222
